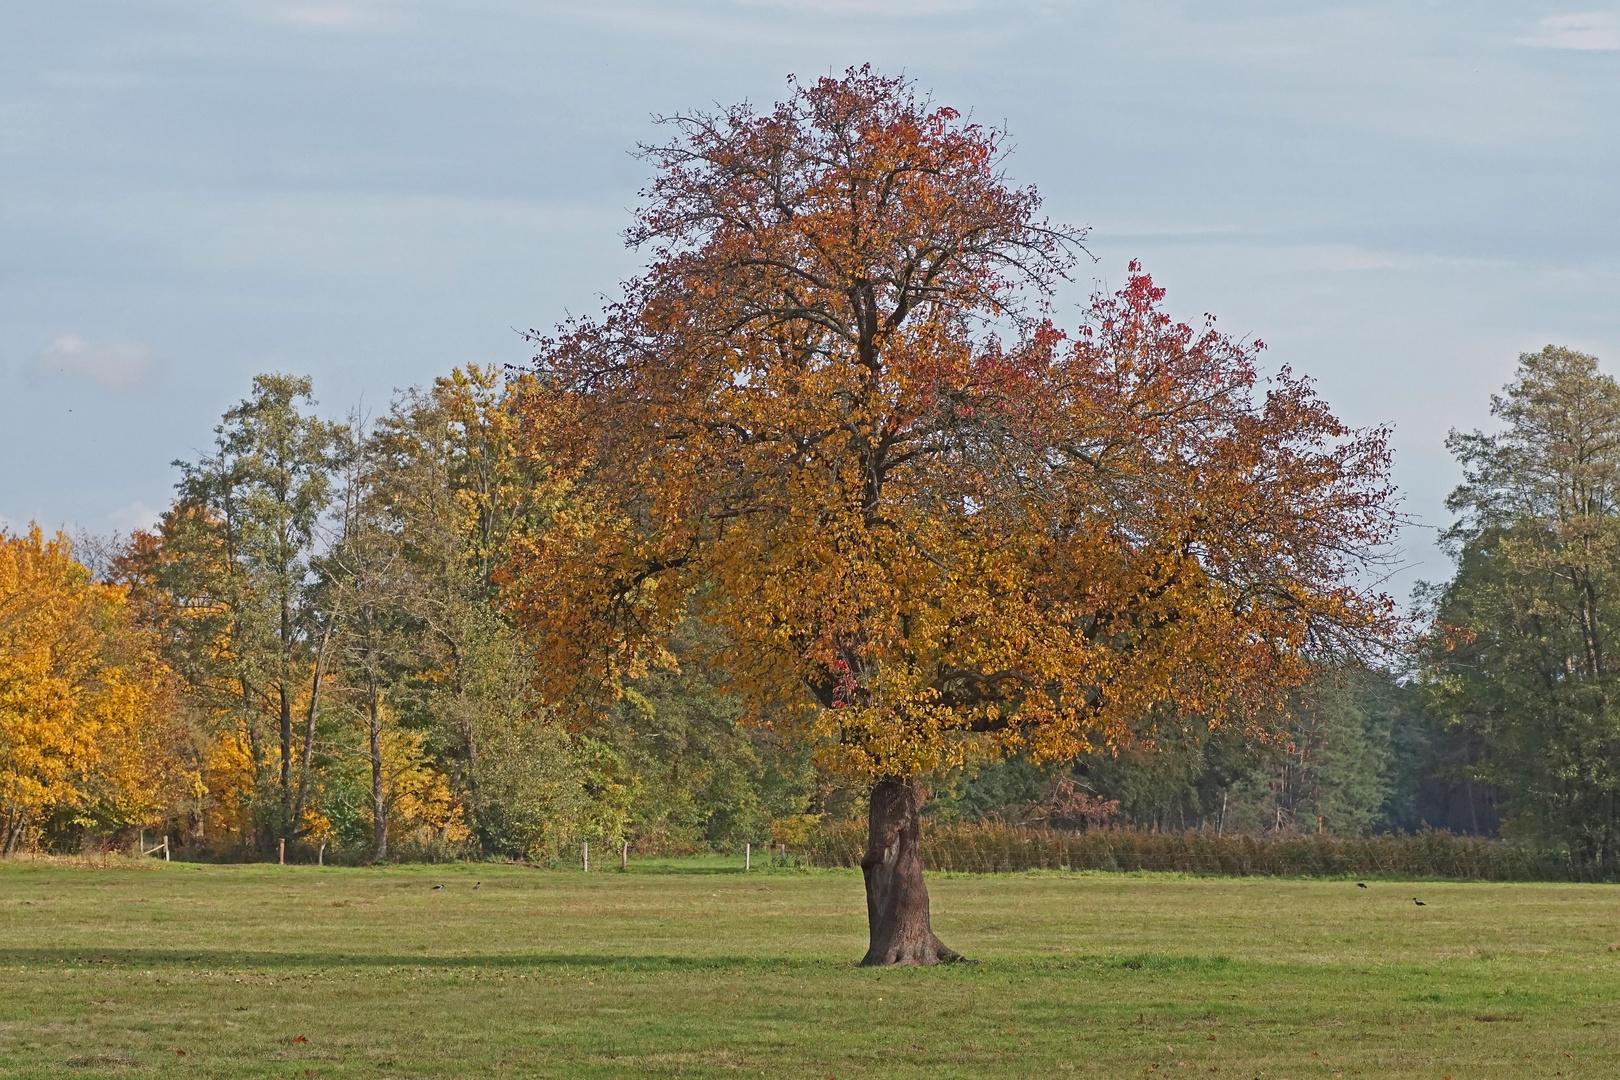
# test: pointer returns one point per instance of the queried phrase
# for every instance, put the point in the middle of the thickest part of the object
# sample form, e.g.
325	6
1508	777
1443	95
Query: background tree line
312	646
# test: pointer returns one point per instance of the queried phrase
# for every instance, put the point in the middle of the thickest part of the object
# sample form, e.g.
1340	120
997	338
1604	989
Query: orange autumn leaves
84	701
835	420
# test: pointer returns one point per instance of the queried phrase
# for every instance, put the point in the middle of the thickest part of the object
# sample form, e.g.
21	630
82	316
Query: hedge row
991	848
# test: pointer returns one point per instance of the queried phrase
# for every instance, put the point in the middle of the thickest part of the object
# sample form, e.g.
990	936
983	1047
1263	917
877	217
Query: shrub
993	848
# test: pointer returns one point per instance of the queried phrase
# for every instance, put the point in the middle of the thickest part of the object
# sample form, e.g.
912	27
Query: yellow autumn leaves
84	700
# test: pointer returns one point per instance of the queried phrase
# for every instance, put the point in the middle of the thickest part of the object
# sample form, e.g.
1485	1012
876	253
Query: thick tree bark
896	898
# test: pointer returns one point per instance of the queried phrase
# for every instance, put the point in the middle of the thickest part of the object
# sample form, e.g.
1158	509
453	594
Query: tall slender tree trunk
14	834
250	723
1591	625
286	753
309	726
286	719
896	897
475	799
263	829
379	801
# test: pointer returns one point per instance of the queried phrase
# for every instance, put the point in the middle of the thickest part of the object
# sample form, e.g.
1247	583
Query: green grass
691	968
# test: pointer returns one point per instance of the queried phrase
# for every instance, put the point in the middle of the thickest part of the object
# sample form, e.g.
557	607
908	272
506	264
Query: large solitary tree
834	421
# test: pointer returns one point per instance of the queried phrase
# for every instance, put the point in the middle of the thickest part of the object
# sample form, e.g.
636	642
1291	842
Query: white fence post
144	851
585	856
748	857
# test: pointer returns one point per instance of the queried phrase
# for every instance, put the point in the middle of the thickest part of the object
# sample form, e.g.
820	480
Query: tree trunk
263	827
286	754
475	798
309	727
286	721
15	832
379	801
896	898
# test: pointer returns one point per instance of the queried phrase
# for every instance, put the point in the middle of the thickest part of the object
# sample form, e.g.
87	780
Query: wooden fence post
624	858
748	857
585	856
320	857
165	848
281	852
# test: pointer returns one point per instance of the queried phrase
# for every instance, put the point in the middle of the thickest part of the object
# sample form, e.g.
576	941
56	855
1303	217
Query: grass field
692	968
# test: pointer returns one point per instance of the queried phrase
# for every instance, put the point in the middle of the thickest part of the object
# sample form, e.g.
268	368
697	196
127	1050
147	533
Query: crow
479	885
1418	902
1361	884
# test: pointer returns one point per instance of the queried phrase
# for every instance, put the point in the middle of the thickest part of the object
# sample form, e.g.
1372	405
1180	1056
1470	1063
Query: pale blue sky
1397	197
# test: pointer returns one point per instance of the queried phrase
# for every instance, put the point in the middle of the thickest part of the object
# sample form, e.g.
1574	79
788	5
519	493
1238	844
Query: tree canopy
835	420
1518	654
84	699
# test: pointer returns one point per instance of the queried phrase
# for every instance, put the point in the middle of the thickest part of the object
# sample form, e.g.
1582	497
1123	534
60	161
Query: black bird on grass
436	887
478	886
1361	884
1418	902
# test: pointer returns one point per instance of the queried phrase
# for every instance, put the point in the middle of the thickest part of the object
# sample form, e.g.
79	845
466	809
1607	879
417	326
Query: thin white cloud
1592	31
882	9
137	515
935	27
331	15
114	365
323	16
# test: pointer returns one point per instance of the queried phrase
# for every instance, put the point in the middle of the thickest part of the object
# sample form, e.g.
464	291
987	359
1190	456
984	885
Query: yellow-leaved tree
85	703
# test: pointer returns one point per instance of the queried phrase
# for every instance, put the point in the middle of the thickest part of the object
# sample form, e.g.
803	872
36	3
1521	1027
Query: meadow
694	968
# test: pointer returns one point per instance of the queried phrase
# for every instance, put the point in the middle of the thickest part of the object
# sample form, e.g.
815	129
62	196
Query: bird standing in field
477	886
437	887
1361	884
1418	902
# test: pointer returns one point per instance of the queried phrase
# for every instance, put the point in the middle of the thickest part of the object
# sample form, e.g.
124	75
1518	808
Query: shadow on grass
726	868
1155	962
247	962
243	961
